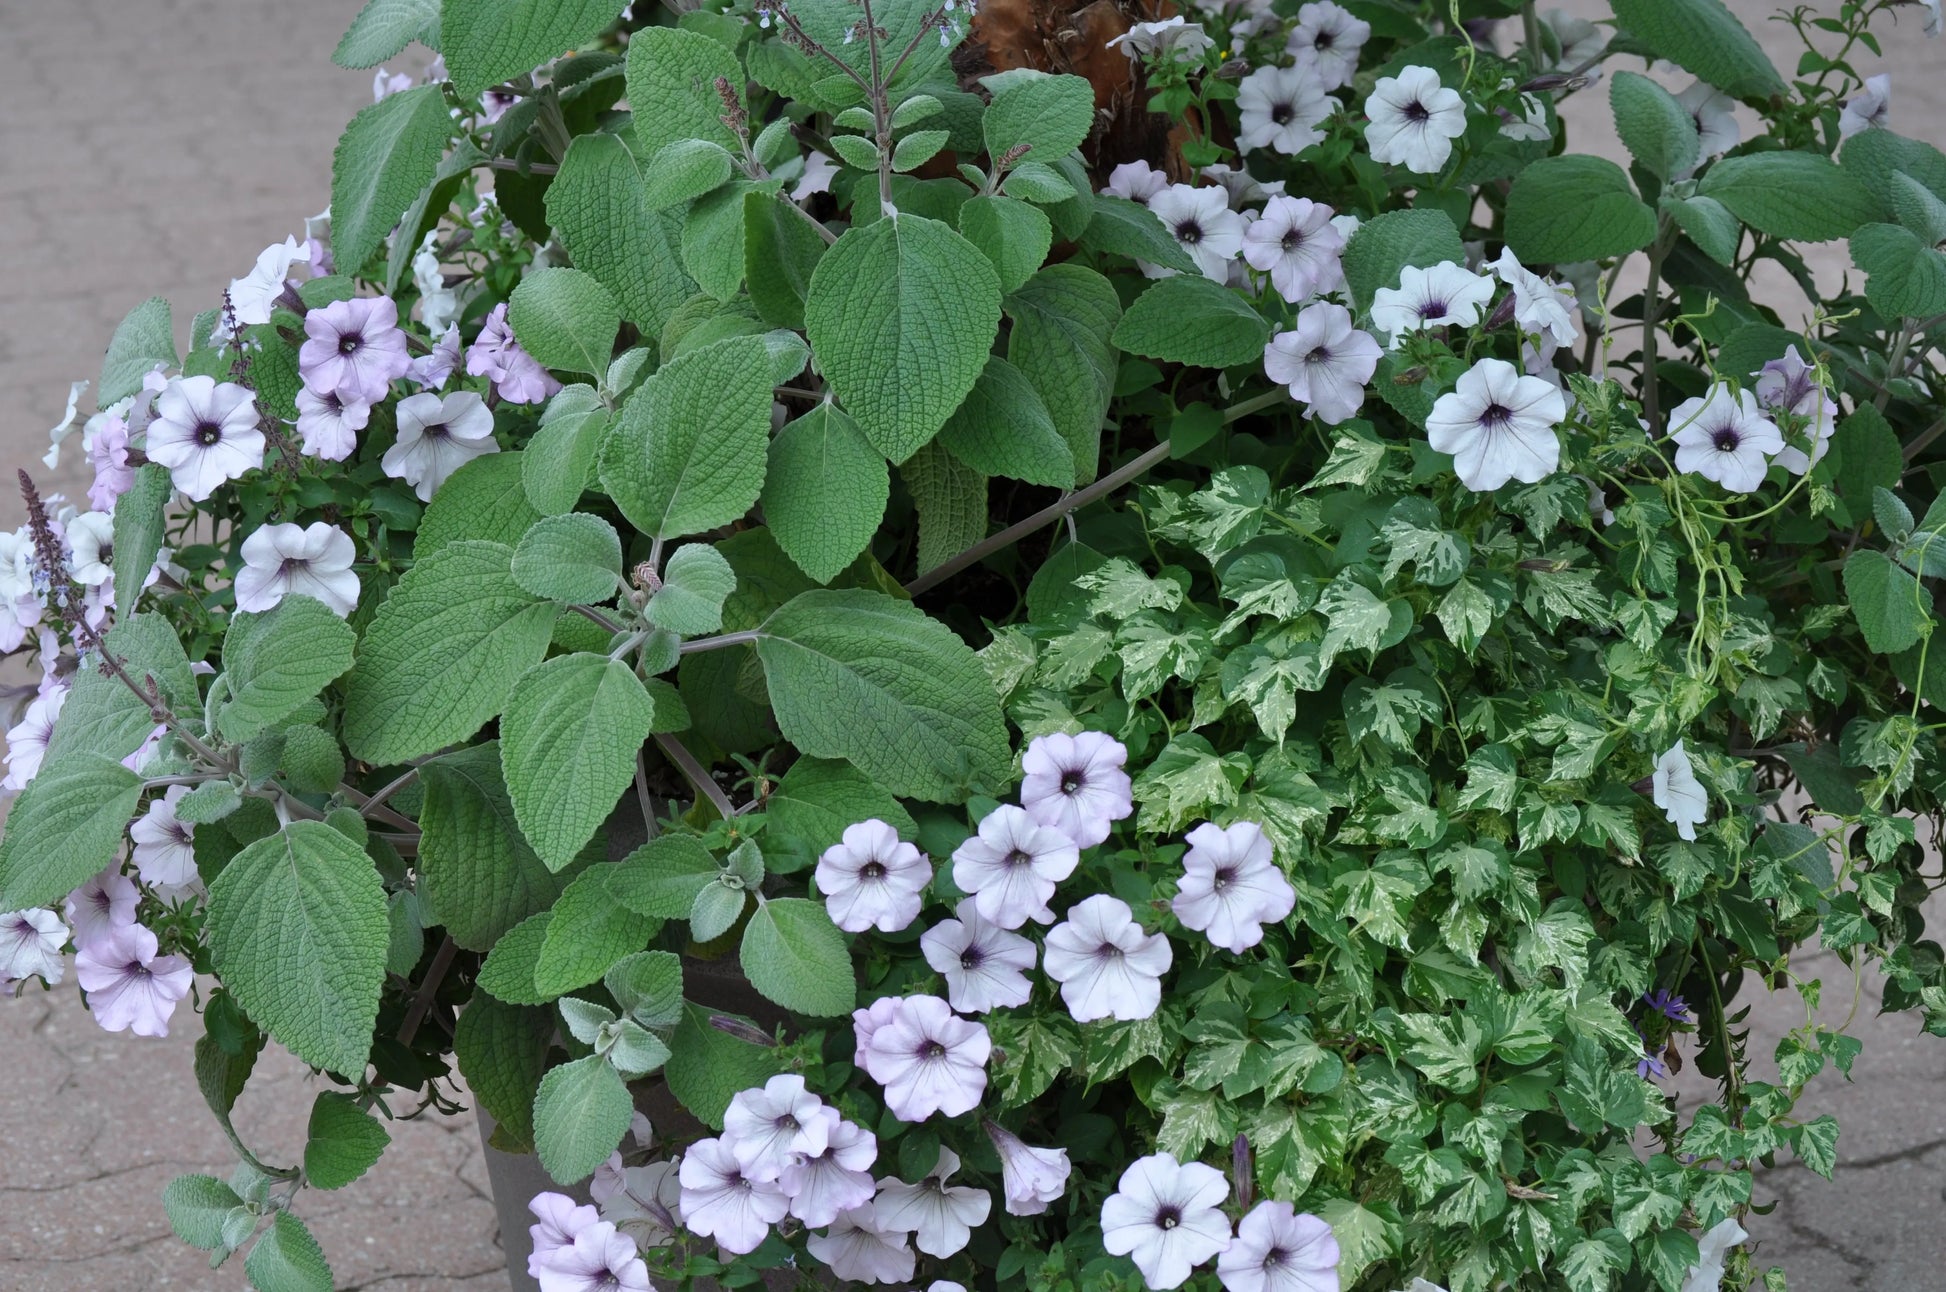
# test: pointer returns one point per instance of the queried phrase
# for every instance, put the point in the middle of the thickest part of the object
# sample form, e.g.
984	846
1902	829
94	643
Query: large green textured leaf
1130	229
502	1052
1227	331
815	803
1892	608
1050	115
574	558
580	1114
1003	429
1063	318
1704	37
566	319
64	827
1878	158
487	41
1791	195
144	338
558	462
796	956
712	240
568	742
1387	244
780	253
507	974
1013	234
386	155
477	872
598	205
343	1142
901	315
1709	225
441	654
197	1206
276	661
298	932
587	932
707	1067
695	583
951	500
102	715
287	1259
825	490
1905	278
685	169
860	676
138	532
383	28
1575	207
663	876
1658	130
485	499
672	86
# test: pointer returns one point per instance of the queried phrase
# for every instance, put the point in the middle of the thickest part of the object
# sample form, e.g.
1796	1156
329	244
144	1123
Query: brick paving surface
152	149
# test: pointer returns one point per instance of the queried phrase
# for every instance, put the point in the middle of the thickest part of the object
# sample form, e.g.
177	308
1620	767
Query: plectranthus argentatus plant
1024	647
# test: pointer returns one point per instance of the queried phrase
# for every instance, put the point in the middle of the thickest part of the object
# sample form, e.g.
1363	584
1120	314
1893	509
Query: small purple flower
1012	865
985	967
1075	784
1325	361
872	879
329	425
769	1124
1278	1250
517	376
205	434
27	740
433	370
824	1185
1231	887
355	349
1295	244
30	945
1106	965
719	1201
1032	1178
131	988
929	1060
113	474
101	906
1669	1005
1651	1068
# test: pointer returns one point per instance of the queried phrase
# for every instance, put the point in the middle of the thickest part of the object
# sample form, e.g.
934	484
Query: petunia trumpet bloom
1327	39
1325	361
1231	886
985	966
1294	243
30	945
940	1217
1166	1216
313	560
600	1259
1413	120
1075	784
1106	965
1032	1178
1677	791
205	434
557	1219
1012	865
859	1251
872	879
1278	1250
822	1186
131	988
438	434
929	1060
1499	425
770	1124
165	848
719	1201
1280	108
354	349
1724	436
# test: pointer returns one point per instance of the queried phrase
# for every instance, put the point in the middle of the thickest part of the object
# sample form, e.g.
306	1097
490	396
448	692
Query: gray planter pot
515	1178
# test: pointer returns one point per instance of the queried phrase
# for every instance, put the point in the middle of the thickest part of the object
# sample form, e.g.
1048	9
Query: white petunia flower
438	434
1790	385
768	1125
985	967
1712	1250
1413	120
1325	361
1724	436
439	304
858	1251
68	424
1244	189
1327	38
165	848
1167	1217
1499	425
1278	1250
1295	244
205	434
328	424
1012	865
1201	220
1715	117
1032	1178
255	294
872	879
1075	784
90	539
1106	965
1174	38
1580	40
1231	886
824	1185
30	946
719	1201
1137	181
312	560
939	1217
130	987
1678	792
928	1059
1541	307
1280	108
647	1202
1445	293
27	739
1871	106
104	903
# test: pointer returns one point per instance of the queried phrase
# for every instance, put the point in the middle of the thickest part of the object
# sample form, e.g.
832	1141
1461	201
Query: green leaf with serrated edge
275	661
138	532
1905	278
210	801
1228	331
298	931
687	454
385	27
343	1142
1052	115
486	499
574	558
712	241
386	155
648	987
672	86
1388	243
663	876
568	741
1003	429
287	1259
780	253
901	315
1011	234
716	908
918	148
581	1112
695	583
197	1206
1892	608
1038	182
825	490
588	931
1063	318
64	827
144	338
566	319
1709	225
501	1050
951	499
685	169
1570	208
1703	37
477	873
1659	131
311	761
707	1066
1794	195
487	41
508	971
860	676
441	654
1124	228
796	956
559	460
101	714
599	209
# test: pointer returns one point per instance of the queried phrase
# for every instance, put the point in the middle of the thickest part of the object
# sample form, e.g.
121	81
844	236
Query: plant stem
881	116
698	775
415	1014
718	642
1651	392
642	798
1900	341
386	791
596	617
812	220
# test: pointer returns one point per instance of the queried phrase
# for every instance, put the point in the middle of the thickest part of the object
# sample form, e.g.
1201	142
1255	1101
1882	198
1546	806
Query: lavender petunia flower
1325	361
355	349
313	560
858	1251
1231	886
1167	1217
558	1219
1869	108
90	540
1075	784
105	903
1327	39
205	434
27	740
824	1185
1280	108
1540	307
1295	244
1499	425
438	434
1724	436
1200	219
131	988
1278	1250
719	1201
1012	865
1678	793
1413	120
165	849
985	967
30	945
872	879
1106	965
254	295
328	425
1173	39
1715	116
1244	189
1446	293
433	370
109	456
1790	385
866	1022
600	1259
1031	1178
767	1125
517	376
1137	181
928	1060
646	1203
940	1218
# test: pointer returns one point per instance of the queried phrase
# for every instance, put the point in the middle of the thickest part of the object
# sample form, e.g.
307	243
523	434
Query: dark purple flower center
1224	877
1726	440
786	1122
1168	1217
1322	40
1281	114
1494	415
1432	309
207	434
1416	113
873	869
1071	782
1322	354
1293	239
106	556
1274	1257
1017	858
292	564
1189	232
972	958
435	430
932	1050
350	343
